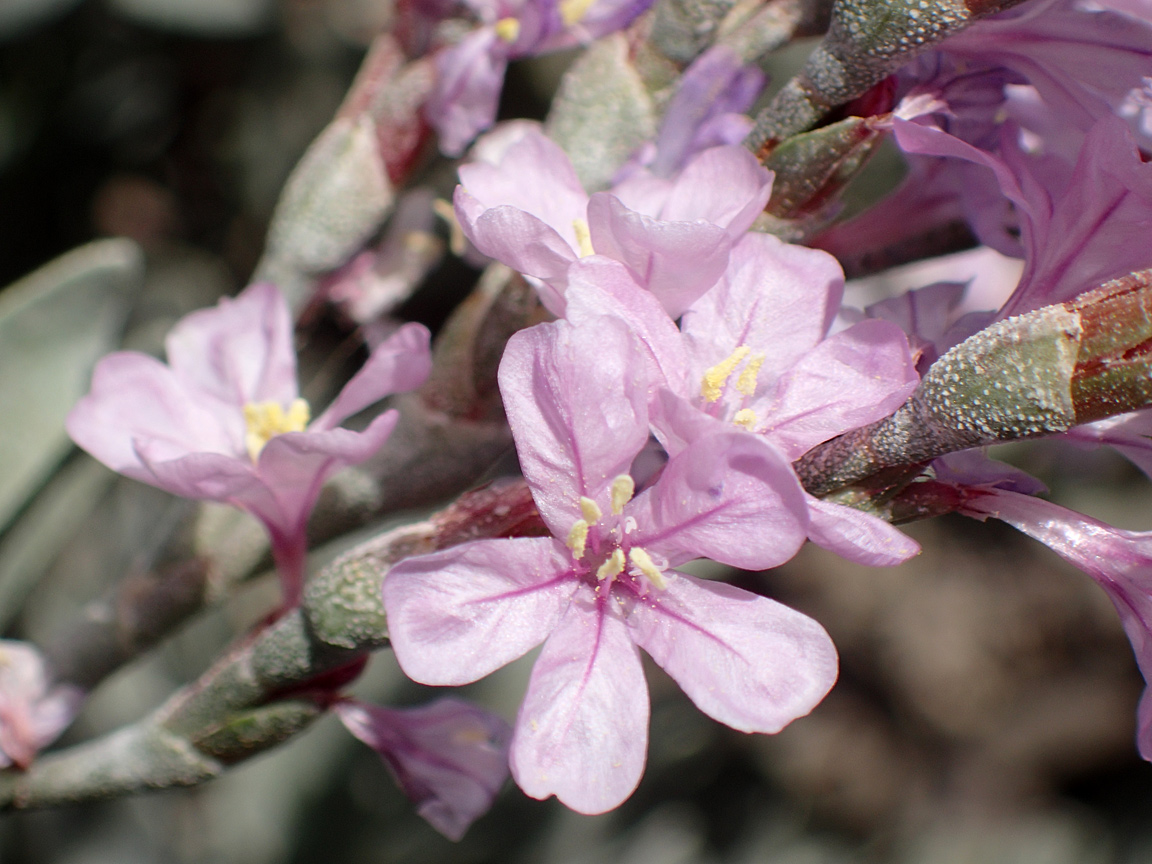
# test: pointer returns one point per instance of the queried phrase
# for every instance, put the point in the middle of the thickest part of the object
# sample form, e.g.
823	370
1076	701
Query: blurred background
985	711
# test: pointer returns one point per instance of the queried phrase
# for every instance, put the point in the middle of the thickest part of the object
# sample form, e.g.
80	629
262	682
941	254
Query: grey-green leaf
54	325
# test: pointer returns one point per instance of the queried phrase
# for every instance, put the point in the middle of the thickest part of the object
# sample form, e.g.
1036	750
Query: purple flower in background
1079	226
674	235
1023	89
33	709
1120	562
753	356
706	111
450	757
471	72
604	584
223	420
1083	62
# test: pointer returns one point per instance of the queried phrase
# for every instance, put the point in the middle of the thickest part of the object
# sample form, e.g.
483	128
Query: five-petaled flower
224	421
605	583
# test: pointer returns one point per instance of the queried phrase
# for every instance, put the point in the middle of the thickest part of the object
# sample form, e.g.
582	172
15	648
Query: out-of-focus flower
753	356
604	584
377	281
224	421
706	111
33	709
471	72
674	235
450	757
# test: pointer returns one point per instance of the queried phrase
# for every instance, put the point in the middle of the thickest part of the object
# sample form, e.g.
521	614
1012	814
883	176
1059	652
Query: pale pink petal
729	496
398	365
576	399
456	615
134	396
775	298
201	476
974	468
33	709
857	536
238	351
296	464
534	175
643	192
449	757
600	286
677	422
853	378
676	261
726	186
582	731
747	661
516	238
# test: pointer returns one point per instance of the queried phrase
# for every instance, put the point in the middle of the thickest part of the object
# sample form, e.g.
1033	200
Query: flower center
508	29
266	420
572	11
716	379
636	560
583	237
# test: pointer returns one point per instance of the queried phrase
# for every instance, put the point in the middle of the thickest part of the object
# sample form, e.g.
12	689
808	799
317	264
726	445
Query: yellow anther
614	566
578	537
746	383
745	417
471	735
590	510
623	488
508	29
583	237
642	561
266	420
715	377
447	212
572	11
422	243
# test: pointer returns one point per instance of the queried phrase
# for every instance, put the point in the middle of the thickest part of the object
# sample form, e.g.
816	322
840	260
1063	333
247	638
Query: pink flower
1081	225
752	357
604	584
530	212
450	757
223	421
33	710
470	74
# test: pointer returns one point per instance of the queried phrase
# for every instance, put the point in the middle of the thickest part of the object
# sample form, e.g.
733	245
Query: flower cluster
684	389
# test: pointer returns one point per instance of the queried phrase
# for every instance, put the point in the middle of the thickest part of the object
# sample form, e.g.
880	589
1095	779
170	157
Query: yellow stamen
508	29
447	212
572	11
746	383
715	377
266	420
422	243
578	537
614	566
623	488
745	417
590	510
643	562
583	237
